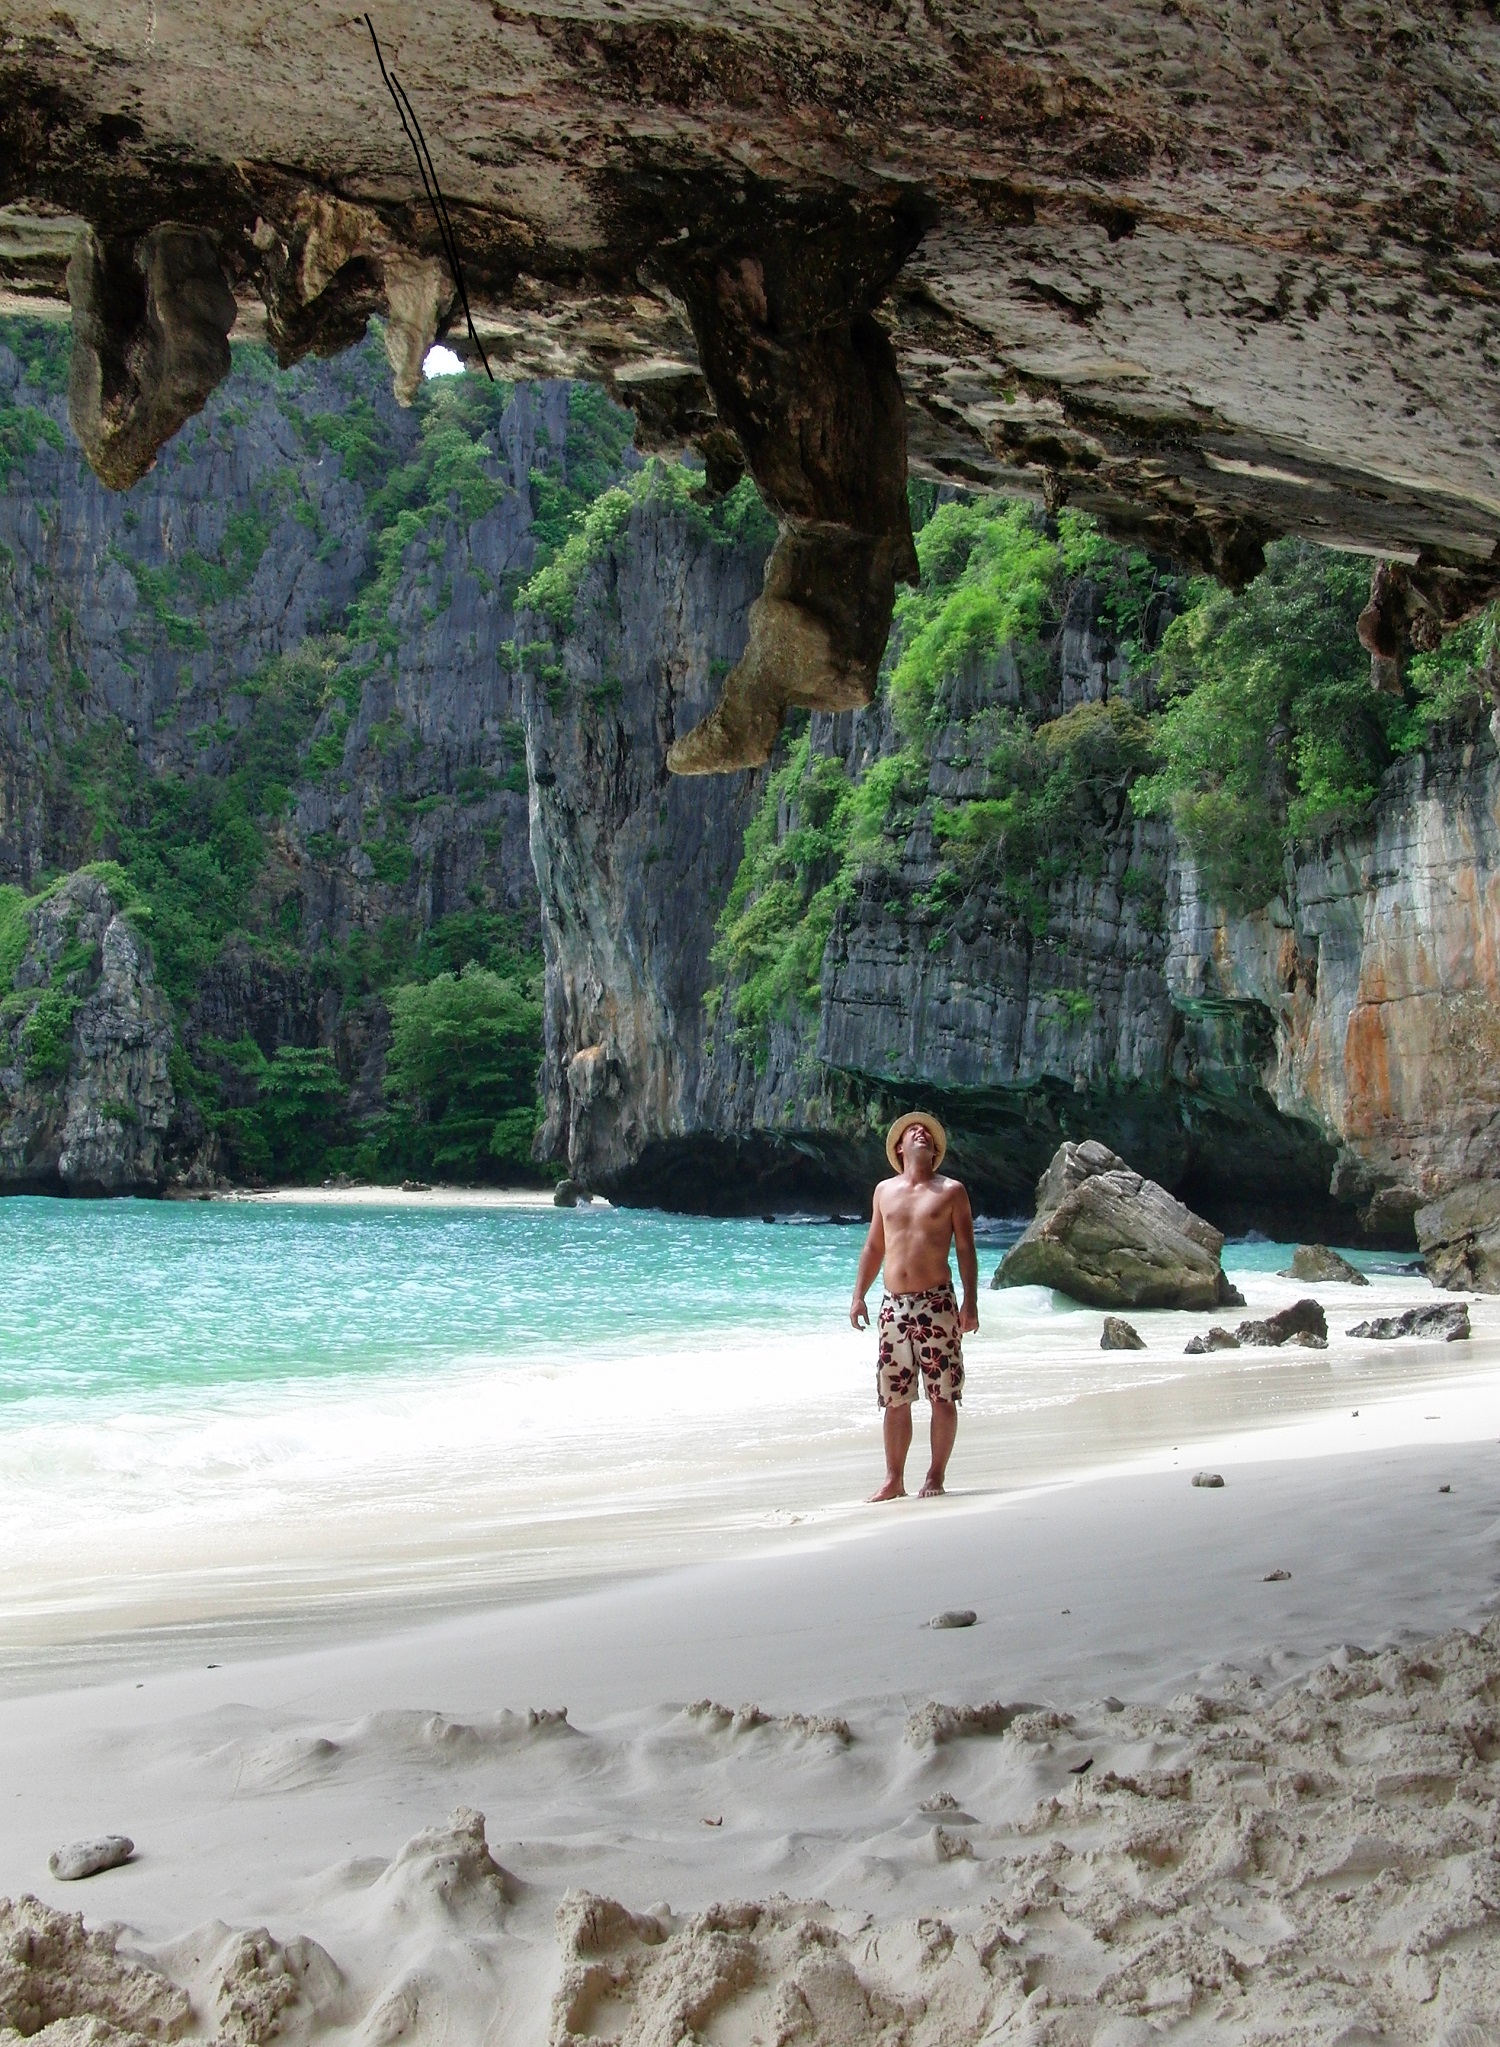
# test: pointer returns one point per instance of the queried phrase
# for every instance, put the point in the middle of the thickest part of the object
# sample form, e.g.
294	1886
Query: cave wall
1214	276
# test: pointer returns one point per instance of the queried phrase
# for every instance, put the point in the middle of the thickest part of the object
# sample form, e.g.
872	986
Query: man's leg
944	1430
896	1422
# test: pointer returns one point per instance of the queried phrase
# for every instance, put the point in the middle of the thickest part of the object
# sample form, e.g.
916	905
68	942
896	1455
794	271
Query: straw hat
899	1129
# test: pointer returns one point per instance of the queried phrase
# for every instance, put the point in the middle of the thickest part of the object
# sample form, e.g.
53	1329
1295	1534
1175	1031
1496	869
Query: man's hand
968	1319
859	1314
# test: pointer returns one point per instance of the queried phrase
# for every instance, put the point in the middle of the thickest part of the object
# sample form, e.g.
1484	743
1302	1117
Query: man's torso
918	1222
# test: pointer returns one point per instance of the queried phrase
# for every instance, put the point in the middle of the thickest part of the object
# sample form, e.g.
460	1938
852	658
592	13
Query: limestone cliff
278	685
1378	969
1327	1064
86	1098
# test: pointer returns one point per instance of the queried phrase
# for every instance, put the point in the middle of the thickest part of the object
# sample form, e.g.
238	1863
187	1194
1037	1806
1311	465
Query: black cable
431	187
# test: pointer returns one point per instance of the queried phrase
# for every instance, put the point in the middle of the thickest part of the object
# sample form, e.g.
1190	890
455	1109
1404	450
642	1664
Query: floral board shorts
919	1333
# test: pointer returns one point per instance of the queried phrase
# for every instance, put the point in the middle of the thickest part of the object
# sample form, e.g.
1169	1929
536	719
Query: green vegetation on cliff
1250	720
971	683
1271	732
739	516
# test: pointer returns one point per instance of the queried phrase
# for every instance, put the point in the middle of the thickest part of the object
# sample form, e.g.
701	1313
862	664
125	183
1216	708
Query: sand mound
746	1719
255	1987
447	1870
69	1988
289	1760
932	1725
773	1972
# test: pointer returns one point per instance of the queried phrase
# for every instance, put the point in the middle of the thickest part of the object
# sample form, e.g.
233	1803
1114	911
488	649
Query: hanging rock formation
1210	278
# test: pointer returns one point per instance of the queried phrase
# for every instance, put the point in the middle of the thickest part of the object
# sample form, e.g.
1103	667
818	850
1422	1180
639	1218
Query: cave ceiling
1212	273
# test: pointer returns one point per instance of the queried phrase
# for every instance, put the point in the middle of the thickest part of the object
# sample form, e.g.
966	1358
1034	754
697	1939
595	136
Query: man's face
917	1145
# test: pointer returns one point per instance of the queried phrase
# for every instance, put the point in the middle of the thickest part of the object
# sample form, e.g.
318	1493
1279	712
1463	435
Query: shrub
1271	731
47	1035
988	573
461	1073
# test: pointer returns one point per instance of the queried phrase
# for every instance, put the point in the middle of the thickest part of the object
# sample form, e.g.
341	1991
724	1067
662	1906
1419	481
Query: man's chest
919	1210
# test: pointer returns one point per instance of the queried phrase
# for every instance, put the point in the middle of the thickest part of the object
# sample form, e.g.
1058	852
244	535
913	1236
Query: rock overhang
1211	274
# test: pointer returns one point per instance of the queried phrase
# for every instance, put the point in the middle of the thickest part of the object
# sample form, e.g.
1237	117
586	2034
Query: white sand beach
1212	1763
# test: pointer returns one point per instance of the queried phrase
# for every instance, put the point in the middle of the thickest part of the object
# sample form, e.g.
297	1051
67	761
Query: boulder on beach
1303	1320
1216	1339
1317	1263
1447	1319
1108	1237
1120	1335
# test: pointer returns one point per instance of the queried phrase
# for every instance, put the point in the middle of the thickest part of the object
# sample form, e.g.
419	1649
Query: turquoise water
145	1301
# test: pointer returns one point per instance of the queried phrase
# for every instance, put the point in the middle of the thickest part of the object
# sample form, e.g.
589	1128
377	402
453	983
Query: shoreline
358	1608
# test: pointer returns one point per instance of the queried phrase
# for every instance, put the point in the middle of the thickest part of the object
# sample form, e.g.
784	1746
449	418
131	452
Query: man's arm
870	1261
968	1260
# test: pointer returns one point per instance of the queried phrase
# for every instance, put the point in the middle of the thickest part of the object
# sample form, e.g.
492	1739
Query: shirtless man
916	1218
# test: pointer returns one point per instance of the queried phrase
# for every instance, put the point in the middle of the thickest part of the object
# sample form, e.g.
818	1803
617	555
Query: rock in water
565	1195
1316	1262
1449	1320
1216	1339
1119	1335
88	1858
1106	1236
1302	1318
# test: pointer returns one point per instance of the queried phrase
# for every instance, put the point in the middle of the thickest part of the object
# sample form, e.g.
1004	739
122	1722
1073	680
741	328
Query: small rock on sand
1216	1339
1302	1318
954	1617
1119	1335
1448	1320
1207	1478
1275	1577
88	1858
1317	1263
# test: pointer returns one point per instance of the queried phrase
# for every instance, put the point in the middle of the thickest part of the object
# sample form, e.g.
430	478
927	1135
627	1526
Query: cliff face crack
806	378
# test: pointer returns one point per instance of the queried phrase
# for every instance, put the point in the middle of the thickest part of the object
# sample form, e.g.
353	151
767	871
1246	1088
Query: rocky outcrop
1322	1068
1460	1238
86	1097
1107	1237
631	863
1316	1262
149	645
1378	969
1032	199
1302	1322
1451	1323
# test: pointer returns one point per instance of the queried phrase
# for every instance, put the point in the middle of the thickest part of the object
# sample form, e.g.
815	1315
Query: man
916	1217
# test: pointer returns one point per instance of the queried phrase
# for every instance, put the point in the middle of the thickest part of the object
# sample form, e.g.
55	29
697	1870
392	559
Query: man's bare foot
893	1489
932	1488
